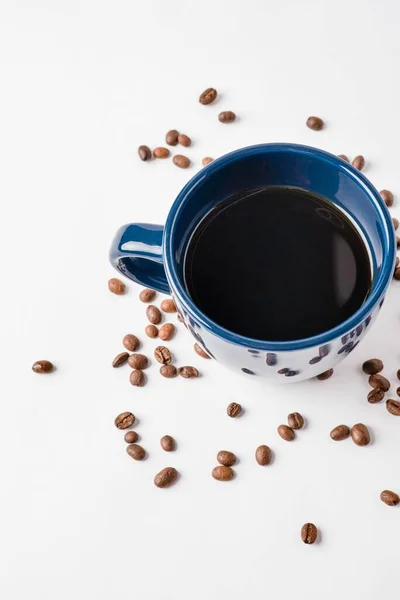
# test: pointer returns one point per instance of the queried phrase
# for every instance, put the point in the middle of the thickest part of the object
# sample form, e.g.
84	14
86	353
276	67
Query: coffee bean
295	420
263	455
138	361
130	342
358	162
397	262
120	359
172	137
136	452
375	395
222	473
379	381
42	366
131	437
372	366
387	197
116	286
395	223
390	498
183	162
163	355
309	533
227	116
397	241
153	314
137	378
184	140
398	374
188	372
343	157
393	406
167	443
208	96
200	351
315	123
151	331
166	477
234	410
360	434
124	420
168	306
398	391
315	360
168	371
397	274
166	332
160	152
144	153
325	375
340	432
286	433
147	295
206	161
226	458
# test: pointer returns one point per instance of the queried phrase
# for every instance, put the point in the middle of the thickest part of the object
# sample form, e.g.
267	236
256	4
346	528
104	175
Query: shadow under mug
153	255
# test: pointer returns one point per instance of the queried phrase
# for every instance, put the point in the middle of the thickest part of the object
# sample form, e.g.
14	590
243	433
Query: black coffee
277	264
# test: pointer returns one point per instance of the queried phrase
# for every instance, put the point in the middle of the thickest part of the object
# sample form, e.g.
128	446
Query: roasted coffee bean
168	371
206	161
398	241
136	452
375	395
295	420
144	153
227	116
163	355
184	140
397	273
395	223
263	455
166	332
387	197
234	410
116	286
226	458
343	157
188	372
208	96
167	443
166	477
315	360
120	360
200	351
340	432
398	391
172	137
222	473
325	375
130	342
393	406
183	162
286	433
271	359
315	123
147	295
160	152
360	434
379	381
42	366
398	374
390	498
131	437
309	533
138	361
124	420
372	366
153	314
151	331
358	162
168	305
137	378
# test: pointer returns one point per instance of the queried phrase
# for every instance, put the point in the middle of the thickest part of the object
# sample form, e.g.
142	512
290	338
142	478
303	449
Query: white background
83	85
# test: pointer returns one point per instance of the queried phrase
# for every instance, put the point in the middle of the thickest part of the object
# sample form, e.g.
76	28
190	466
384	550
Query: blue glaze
155	257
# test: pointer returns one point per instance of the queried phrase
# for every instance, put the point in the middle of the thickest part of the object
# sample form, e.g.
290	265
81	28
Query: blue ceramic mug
153	255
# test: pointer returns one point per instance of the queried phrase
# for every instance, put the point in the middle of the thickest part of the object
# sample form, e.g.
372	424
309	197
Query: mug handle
136	252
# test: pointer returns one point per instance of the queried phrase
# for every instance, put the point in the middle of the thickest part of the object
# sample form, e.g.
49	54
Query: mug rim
365	309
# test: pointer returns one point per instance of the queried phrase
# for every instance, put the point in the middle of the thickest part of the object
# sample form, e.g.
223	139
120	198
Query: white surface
83	84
